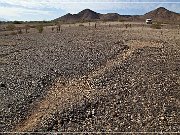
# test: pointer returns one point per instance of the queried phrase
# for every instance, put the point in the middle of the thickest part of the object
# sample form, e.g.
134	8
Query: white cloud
17	8
77	3
14	12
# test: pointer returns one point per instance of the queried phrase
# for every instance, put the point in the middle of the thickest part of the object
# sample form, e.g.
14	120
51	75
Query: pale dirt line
74	92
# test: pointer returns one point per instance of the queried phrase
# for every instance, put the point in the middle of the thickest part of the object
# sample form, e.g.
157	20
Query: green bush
11	27
40	28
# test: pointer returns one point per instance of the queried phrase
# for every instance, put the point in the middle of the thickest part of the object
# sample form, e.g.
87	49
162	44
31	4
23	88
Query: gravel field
114	79
139	95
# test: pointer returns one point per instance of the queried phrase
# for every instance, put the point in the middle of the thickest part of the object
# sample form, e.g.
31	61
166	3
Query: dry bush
156	26
40	28
81	25
20	31
27	27
11	27
13	33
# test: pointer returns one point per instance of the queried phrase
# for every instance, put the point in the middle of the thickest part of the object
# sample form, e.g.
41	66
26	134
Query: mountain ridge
159	14
162	14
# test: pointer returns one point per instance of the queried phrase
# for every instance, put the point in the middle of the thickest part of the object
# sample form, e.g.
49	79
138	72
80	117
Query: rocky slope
159	14
163	15
87	15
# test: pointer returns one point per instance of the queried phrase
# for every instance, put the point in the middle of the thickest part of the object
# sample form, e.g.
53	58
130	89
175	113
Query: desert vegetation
11	27
81	25
40	28
156	25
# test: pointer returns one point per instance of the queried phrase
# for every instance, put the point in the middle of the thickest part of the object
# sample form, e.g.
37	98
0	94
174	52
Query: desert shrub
82	21
13	33
55	22
40	28
156	26
27	27
32	26
81	25
58	27
20	31
11	27
104	21
159	22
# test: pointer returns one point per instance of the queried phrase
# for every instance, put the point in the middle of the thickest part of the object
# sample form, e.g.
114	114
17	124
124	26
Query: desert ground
86	79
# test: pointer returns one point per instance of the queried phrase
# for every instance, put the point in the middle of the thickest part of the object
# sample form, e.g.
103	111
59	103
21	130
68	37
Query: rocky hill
162	14
86	14
159	14
110	17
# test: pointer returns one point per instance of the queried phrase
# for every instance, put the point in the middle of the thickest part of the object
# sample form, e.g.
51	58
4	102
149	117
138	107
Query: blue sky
51	9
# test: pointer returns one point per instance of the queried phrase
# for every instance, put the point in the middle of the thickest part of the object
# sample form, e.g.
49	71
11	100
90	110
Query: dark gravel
31	65
140	95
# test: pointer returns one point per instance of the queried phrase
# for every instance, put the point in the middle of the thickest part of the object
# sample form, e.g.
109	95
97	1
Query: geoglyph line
74	91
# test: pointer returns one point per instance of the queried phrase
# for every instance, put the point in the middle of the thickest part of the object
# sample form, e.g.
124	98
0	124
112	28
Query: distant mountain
159	14
162	14
86	14
68	18
110	16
